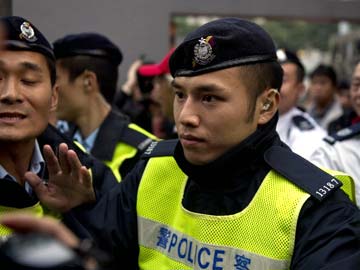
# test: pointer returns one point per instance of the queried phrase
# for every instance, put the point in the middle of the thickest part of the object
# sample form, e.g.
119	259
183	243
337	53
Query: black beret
90	44
220	44
287	56
20	34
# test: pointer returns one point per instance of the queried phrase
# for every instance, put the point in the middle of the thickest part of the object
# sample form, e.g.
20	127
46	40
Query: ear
268	104
89	80
54	97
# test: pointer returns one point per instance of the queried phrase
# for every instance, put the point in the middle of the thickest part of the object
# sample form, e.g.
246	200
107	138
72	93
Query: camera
145	83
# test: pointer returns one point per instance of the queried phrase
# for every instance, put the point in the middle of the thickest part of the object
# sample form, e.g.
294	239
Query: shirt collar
87	142
285	123
37	165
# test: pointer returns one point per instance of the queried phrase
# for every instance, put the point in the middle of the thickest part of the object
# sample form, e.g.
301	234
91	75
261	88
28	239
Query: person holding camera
161	95
86	66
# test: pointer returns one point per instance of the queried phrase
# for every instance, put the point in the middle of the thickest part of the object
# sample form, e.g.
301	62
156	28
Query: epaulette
302	123
301	172
160	148
343	134
135	138
301	108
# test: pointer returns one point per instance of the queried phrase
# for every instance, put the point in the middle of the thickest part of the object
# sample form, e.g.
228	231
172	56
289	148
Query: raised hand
69	183
26	223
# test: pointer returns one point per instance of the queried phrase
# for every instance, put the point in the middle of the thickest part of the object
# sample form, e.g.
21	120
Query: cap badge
203	51
27	32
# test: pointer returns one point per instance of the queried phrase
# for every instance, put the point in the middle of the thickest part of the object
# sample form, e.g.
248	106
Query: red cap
158	68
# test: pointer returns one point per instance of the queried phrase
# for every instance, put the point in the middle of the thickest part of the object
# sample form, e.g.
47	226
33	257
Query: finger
86	177
51	160
75	164
86	181
26	223
36	184
64	163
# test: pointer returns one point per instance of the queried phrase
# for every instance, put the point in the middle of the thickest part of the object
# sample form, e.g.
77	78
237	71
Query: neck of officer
244	160
15	158
96	110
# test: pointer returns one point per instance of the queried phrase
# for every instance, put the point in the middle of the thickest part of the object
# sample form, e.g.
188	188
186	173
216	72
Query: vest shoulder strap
301	172
343	134
161	148
135	138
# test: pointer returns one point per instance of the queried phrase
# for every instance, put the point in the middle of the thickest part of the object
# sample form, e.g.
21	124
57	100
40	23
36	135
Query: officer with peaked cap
27	97
87	68
228	194
296	128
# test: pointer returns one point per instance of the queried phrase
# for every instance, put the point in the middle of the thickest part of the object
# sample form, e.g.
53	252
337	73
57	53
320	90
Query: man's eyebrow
25	66
201	88
31	66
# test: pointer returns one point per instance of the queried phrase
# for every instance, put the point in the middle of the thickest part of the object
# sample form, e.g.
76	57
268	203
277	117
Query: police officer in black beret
87	72
228	194
28	96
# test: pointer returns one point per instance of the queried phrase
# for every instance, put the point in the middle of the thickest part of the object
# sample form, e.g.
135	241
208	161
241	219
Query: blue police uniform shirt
37	166
87	142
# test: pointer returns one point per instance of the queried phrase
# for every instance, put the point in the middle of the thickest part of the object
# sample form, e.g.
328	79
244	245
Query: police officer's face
71	95
211	114
290	89
322	90
26	95
355	90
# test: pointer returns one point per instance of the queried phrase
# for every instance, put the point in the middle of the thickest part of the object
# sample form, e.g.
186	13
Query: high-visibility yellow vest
124	151
261	236
348	183
36	209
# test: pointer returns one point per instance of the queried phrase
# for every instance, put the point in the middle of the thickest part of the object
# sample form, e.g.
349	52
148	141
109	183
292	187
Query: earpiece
266	105
86	82
268	102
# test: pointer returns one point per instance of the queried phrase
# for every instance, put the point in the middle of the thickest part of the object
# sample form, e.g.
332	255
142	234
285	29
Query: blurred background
326	31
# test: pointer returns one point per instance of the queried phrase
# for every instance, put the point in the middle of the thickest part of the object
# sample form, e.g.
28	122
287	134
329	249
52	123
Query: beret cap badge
27	32
203	51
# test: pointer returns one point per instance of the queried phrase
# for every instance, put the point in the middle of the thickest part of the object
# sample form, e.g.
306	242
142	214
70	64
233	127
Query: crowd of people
202	160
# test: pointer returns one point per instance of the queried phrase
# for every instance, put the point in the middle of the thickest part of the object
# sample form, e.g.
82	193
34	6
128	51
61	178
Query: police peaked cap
20	34
220	44
90	44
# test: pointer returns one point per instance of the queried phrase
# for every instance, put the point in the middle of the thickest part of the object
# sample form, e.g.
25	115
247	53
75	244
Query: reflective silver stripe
189	251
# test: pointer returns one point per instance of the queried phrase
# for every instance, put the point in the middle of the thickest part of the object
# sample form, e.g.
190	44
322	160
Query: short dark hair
106	72
300	71
52	69
300	74
325	70
259	77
